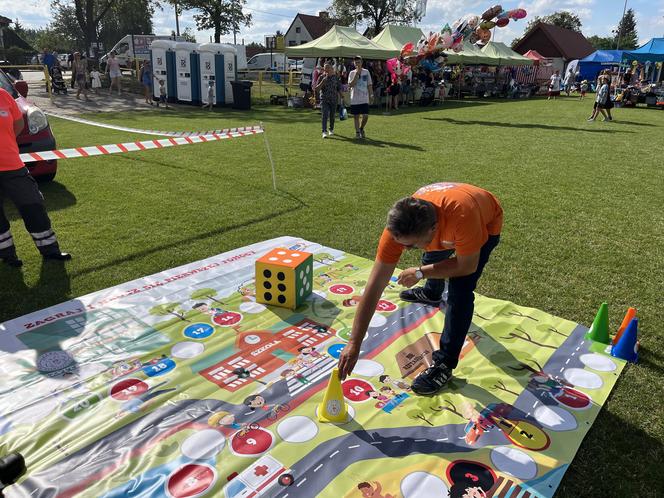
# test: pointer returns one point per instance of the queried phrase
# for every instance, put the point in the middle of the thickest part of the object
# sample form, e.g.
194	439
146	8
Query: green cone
599	332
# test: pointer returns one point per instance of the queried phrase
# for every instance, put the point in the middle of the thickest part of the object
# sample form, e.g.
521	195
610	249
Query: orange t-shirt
467	215
9	112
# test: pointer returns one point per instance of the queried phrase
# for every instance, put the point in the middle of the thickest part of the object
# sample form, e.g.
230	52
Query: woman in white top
114	72
554	86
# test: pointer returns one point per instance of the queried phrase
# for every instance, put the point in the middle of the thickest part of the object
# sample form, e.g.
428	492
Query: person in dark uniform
17	184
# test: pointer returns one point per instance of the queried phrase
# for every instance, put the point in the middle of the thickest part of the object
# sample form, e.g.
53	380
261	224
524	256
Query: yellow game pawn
333	408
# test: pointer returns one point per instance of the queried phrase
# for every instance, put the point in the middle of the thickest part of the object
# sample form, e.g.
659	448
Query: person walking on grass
80	70
603	101
17	184
457	226
146	78
95	77
554	86
115	73
210	96
162	94
329	86
361	95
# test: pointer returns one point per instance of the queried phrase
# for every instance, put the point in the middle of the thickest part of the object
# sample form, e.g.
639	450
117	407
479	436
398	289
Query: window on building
297	29
291	43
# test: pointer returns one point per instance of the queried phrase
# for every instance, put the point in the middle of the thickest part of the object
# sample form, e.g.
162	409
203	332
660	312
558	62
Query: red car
36	135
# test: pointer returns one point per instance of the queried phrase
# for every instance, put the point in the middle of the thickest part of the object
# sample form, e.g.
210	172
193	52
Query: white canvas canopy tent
342	41
395	37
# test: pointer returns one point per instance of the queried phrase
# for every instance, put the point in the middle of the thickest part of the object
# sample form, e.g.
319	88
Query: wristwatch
419	274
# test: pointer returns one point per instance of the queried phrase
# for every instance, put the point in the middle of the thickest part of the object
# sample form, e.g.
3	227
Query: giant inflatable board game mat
181	385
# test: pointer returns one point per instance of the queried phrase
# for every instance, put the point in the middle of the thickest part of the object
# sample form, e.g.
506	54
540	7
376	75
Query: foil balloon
473	38
457	46
492	12
487	24
484	35
446	29
407	49
501	22
446	40
518	14
472	20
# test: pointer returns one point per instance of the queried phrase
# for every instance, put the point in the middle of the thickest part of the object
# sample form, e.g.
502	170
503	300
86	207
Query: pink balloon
501	22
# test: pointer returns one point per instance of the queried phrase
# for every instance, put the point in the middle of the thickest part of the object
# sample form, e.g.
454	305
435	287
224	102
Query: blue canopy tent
590	66
653	51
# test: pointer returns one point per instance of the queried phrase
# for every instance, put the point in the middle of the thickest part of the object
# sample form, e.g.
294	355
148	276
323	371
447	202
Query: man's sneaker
57	256
324	134
432	380
358	134
417	295
330	133
12	261
362	135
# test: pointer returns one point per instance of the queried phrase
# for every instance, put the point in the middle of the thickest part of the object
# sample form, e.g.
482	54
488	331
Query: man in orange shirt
457	226
17	184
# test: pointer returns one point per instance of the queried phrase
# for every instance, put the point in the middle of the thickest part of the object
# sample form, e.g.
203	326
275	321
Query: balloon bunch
429	51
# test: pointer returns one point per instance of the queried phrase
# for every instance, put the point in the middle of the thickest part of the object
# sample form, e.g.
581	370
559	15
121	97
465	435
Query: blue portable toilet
162	57
217	63
188	73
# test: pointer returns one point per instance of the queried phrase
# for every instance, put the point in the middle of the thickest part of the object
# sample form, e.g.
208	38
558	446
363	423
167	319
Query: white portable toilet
162	67
184	69
217	61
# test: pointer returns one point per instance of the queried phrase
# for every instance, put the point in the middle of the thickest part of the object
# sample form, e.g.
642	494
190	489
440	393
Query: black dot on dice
267	273
281	275
267	285
267	296
281	298
281	287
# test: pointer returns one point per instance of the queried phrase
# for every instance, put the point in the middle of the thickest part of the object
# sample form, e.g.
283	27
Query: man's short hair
411	217
357	58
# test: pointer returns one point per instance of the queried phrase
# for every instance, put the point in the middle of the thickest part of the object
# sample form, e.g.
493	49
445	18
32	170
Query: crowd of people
86	74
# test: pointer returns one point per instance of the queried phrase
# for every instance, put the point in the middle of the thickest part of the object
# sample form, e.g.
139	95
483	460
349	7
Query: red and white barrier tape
151	132
101	150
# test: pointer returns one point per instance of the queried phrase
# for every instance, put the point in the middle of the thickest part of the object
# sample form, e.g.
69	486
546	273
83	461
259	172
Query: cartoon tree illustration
525	367
519	333
418	414
447	406
551	329
520	315
201	294
324	258
495	384
169	309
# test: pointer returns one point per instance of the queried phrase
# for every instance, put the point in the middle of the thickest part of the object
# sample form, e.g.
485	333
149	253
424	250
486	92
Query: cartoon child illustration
223	419
373	491
399	384
469	479
388	391
248	291
377	395
256	401
205	309
288	373
125	367
309	350
352	302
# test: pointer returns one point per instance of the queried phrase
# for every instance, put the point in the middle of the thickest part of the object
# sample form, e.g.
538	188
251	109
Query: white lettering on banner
261	350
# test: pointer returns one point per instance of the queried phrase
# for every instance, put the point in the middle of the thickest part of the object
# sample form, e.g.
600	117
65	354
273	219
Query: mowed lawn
584	222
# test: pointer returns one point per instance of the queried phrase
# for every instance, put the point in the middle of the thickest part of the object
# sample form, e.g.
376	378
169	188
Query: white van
265	61
132	47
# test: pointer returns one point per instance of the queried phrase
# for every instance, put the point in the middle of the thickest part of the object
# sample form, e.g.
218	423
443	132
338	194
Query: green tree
602	42
496	384
199	294
126	17
18	28
520	334
418	414
375	13
188	35
169	309
626	37
220	16
87	14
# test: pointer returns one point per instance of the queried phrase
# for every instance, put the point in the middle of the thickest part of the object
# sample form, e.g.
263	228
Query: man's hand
348	359
407	277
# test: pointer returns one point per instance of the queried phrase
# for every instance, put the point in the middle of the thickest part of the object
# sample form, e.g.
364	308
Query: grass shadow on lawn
525	126
378	143
201	236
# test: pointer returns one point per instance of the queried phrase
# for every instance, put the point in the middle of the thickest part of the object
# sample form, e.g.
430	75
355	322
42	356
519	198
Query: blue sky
599	16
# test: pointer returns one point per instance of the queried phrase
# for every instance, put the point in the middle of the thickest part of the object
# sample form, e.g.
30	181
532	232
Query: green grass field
584	222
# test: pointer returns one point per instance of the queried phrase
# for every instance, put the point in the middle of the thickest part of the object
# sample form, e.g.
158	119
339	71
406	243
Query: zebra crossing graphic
320	369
